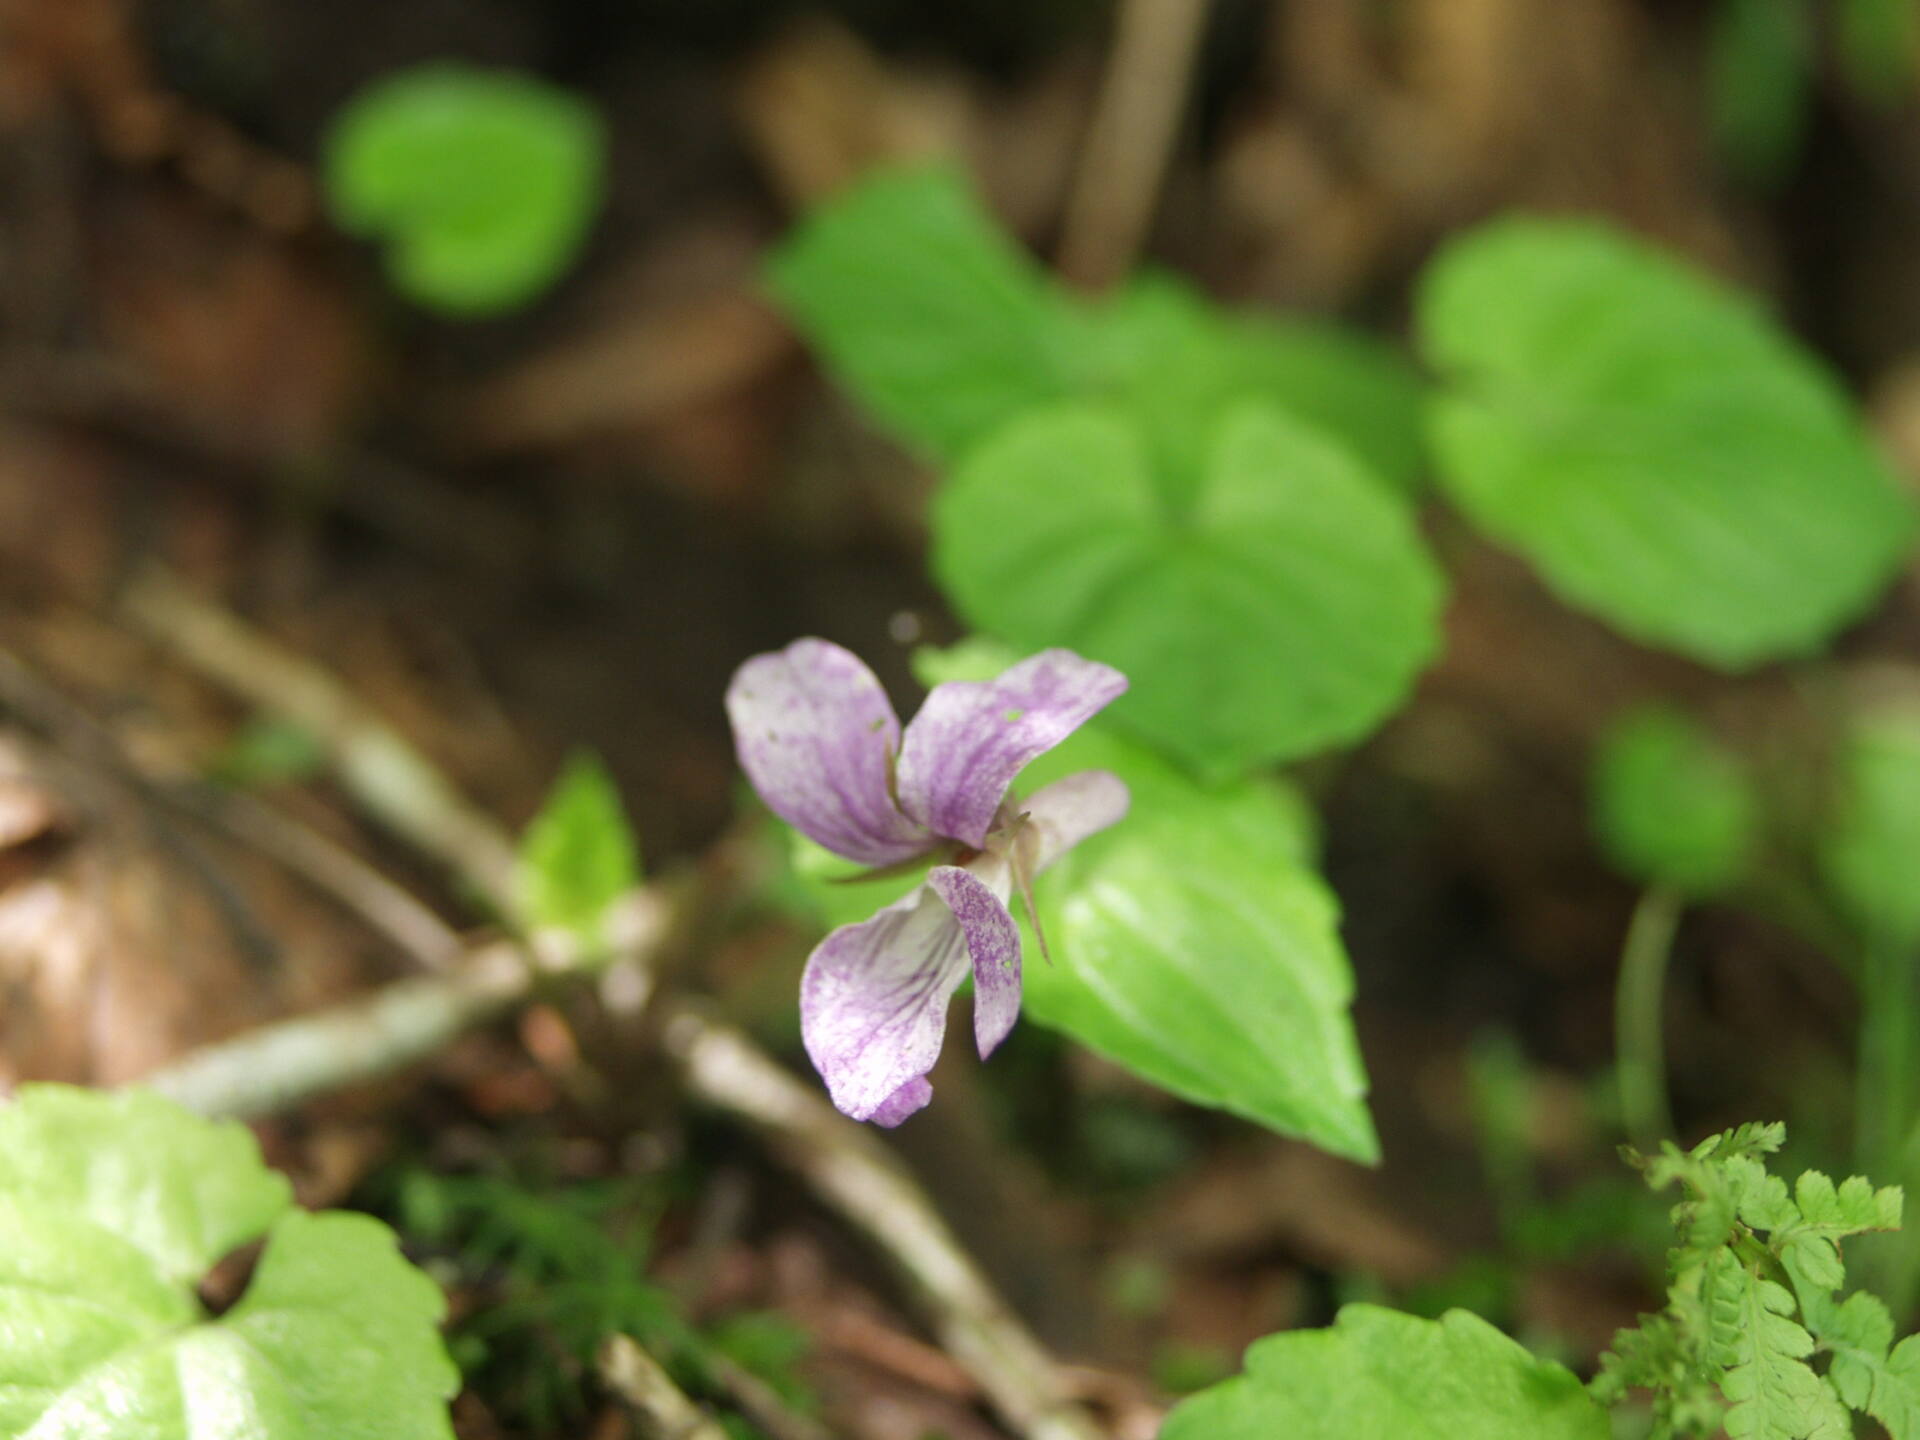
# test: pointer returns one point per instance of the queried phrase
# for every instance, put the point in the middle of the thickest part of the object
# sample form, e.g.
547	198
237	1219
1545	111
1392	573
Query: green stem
1883	1090
1885	1099
1640	1055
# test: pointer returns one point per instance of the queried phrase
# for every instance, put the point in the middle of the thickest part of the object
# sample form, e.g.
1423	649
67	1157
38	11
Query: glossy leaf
1376	1372
113	1207
1665	456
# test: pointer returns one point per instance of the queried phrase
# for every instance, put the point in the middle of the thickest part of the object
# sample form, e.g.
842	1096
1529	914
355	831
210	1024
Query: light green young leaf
481	183
1673	808
1775	1394
925	309
181	1190
1667	457
1869	848
1283	608
578	855
113	1207
1380	1373
1806	1236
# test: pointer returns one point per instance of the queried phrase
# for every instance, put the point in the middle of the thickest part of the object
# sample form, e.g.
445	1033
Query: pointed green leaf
578	855
1666	456
1380	1373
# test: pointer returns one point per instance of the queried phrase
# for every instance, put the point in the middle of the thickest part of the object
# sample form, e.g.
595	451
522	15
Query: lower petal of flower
873	1005
993	945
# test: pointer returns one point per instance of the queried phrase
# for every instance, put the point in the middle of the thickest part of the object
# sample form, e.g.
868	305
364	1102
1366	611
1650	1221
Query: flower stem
1640	1056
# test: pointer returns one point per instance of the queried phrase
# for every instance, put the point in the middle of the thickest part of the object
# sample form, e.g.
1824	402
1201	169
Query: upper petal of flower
814	732
1061	815
972	737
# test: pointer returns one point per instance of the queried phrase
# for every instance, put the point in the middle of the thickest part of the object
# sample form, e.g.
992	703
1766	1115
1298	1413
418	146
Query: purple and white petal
815	733
993	944
873	1004
910	1099
972	737
1061	815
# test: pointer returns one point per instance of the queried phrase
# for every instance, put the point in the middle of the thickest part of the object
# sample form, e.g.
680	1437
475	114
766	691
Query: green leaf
1380	1373
578	855
1284	607
1177	363
113	1207
181	1190
1775	1393
925	309
1759	84
1192	945
481	183
1869	847
946	330
1672	807
1668	458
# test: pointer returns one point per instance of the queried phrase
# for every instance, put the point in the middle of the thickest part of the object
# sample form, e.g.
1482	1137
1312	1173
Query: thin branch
390	779
1130	139
662	1407
861	1178
330	868
282	1064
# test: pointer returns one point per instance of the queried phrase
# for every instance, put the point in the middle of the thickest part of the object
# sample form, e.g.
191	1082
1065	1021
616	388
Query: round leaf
482	183
1281	607
1668	459
1870	847
1672	807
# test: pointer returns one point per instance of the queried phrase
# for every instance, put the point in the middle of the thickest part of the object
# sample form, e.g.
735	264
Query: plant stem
1885	1081
1640	1055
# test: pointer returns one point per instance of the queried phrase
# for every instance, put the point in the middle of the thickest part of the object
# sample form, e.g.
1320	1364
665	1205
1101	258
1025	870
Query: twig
664	1411
843	1161
852	1171
1131	138
391	780
330	868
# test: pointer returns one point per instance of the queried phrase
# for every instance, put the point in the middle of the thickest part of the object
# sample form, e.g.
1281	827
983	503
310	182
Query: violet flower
818	738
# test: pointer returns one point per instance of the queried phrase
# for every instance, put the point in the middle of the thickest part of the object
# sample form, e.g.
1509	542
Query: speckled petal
972	737
814	732
873	1003
993	944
